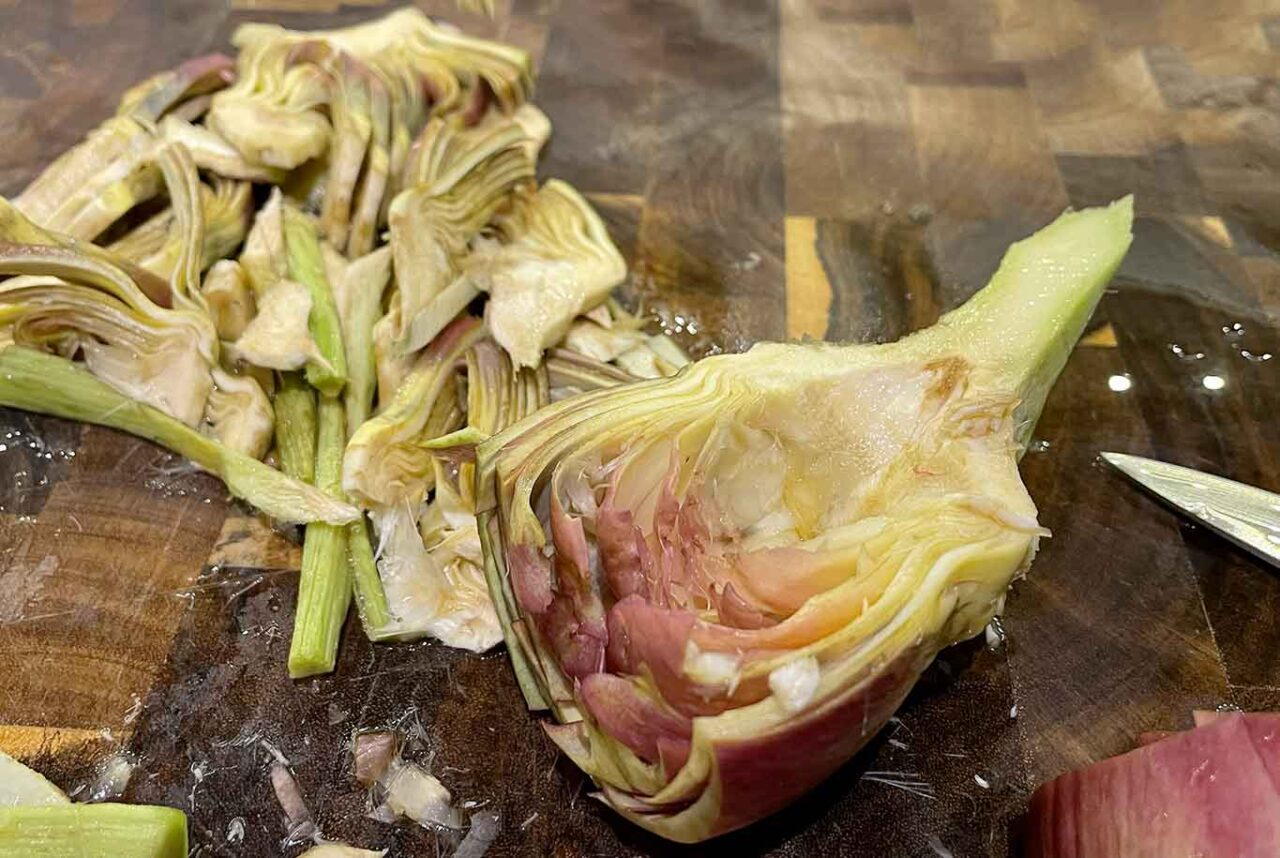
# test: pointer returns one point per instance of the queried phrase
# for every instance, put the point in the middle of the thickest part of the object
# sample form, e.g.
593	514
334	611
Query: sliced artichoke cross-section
723	583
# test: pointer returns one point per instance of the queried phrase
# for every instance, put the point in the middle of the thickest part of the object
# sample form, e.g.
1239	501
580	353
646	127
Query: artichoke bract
723	583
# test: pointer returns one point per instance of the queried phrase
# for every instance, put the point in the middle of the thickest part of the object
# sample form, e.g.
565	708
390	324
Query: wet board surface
820	168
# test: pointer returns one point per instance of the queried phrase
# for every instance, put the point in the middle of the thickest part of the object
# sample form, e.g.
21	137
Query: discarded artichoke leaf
464	179
157	95
352	129
263	258
657	356
434	578
372	198
589	339
670	356
391	364
407	104
155	245
274	112
570	370
505	70
73	297
384	464
772	546
442	309
88	187
439	592
183	184
211	152
327	366
239	414
52	385
357	292
17	230
555	261
535	125
278	336
229	299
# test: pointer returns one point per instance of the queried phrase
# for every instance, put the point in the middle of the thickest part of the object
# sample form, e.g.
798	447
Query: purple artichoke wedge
723	583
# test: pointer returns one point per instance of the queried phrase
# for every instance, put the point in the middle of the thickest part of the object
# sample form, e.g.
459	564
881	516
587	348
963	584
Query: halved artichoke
723	583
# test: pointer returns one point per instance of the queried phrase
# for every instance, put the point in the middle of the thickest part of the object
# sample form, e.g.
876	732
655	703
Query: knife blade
1246	515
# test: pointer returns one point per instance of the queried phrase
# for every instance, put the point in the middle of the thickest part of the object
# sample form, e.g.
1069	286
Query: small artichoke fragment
723	583
239	414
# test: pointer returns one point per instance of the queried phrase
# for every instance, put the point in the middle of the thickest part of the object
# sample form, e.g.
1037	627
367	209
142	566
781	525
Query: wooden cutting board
816	168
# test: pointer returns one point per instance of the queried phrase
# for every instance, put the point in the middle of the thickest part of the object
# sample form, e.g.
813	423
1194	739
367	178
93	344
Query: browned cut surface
840	168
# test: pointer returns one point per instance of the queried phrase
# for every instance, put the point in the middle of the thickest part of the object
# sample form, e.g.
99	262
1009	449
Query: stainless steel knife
1247	515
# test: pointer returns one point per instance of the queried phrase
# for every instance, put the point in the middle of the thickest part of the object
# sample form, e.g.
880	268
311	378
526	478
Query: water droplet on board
1185	354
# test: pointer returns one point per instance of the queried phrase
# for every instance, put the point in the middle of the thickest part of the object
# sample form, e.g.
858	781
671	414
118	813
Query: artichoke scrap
552	261
355	95
89	187
76	299
459	179
155	244
411	468
722	584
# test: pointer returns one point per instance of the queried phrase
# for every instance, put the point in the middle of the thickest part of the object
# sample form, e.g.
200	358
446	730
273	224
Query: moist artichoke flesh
723	583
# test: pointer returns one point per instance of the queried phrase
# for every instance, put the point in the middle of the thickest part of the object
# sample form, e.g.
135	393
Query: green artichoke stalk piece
46	384
554	261
295	407
93	831
724	583
327	368
324	582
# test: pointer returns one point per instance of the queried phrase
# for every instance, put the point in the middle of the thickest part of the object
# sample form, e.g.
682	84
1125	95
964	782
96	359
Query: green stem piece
296	427
324	587
93	831
328	371
35	381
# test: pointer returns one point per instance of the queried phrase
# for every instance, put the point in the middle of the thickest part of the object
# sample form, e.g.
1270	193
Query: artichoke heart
723	583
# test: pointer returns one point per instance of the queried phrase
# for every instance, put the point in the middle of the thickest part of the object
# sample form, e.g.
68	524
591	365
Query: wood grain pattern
847	168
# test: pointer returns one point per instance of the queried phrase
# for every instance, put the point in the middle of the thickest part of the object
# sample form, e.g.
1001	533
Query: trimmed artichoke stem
324	586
